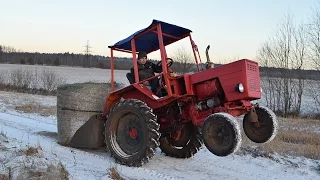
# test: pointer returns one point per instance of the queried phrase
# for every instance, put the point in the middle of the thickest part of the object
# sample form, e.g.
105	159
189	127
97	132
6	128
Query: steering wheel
169	63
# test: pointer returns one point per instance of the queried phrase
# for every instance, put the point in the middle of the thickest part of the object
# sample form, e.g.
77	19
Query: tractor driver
147	69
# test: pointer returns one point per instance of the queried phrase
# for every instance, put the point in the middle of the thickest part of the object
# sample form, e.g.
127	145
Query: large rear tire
132	133
221	134
265	129
186	145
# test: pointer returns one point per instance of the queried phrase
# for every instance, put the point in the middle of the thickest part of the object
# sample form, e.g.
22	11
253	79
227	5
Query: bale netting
78	108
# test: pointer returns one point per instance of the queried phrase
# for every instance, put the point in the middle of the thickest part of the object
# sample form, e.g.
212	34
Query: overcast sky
234	29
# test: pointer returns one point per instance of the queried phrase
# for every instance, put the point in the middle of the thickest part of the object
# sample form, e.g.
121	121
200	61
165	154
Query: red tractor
197	107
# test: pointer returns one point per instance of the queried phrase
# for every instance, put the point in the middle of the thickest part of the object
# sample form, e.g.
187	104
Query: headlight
240	87
210	103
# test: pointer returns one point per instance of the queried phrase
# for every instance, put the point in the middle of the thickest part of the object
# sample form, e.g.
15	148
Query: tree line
183	61
292	48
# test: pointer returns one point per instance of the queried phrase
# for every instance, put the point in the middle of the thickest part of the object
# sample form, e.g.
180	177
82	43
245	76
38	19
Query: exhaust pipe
209	64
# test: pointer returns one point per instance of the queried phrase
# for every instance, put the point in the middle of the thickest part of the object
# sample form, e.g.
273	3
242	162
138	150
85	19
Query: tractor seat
130	78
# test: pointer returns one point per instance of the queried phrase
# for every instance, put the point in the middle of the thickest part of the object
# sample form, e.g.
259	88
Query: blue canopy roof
148	42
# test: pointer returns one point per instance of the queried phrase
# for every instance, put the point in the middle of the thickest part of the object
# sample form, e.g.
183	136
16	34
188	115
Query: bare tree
286	51
314	38
182	61
314	47
50	80
298	61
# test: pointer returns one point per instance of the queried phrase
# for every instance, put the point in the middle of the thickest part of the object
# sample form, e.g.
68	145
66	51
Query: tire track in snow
75	159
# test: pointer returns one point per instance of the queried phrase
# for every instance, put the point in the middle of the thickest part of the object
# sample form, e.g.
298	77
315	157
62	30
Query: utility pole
87	53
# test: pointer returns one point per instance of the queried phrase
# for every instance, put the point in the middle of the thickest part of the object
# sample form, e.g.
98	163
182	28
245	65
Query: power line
87	52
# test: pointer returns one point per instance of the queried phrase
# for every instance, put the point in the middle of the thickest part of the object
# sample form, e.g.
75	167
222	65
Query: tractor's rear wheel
132	132
183	143
264	128
221	134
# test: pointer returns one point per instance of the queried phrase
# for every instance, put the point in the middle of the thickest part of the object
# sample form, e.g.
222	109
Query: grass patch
30	151
297	137
3	134
4	177
293	139
3	139
52	172
23	89
42	110
64	174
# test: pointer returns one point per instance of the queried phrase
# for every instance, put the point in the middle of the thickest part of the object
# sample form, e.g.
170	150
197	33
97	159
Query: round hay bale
76	105
69	122
82	97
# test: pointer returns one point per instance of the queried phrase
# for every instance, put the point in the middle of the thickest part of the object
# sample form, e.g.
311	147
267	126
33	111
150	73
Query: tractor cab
153	38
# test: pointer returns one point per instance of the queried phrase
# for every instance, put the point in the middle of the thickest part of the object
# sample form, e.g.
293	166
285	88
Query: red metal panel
135	65
229	83
112	70
229	76
163	57
207	89
189	87
253	76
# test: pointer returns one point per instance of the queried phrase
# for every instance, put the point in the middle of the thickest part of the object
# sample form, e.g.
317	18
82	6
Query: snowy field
31	129
70	74
79	75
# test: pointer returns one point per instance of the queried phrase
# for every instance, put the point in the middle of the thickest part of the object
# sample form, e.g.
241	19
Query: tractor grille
253	77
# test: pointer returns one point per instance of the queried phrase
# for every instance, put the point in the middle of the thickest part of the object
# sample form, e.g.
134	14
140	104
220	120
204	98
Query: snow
23	130
70	74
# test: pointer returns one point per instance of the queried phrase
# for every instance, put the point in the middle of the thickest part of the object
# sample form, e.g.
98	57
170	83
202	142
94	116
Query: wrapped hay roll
78	108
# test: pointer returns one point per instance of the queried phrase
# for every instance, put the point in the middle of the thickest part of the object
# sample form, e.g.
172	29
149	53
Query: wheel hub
133	132
261	127
221	134
176	135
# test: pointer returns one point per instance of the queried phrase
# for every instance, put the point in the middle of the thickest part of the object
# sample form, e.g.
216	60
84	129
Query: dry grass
30	151
3	134
42	110
114	174
3	139
4	177
64	174
296	137
52	172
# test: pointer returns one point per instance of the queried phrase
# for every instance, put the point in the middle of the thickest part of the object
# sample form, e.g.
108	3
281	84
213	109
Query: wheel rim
220	134
261	131
127	137
180	138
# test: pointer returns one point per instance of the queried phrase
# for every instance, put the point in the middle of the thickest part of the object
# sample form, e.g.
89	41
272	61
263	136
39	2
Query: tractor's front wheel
183	143
260	125
221	134
132	133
